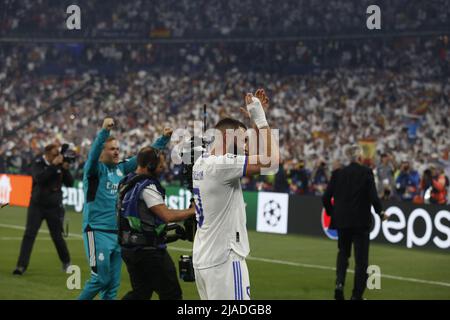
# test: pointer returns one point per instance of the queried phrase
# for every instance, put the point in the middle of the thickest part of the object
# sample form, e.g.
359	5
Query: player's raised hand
108	124
167	132
261	95
256	110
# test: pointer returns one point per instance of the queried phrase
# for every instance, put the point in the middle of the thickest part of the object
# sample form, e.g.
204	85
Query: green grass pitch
281	267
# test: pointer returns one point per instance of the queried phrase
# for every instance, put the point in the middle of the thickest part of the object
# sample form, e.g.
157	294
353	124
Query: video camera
176	232
68	154
191	150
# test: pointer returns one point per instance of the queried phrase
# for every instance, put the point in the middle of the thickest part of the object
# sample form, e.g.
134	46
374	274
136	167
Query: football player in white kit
221	242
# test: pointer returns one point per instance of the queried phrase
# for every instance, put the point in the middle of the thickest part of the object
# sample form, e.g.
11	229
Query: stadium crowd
223	18
324	96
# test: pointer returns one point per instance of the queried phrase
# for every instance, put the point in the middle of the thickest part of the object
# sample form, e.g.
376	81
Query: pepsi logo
326	221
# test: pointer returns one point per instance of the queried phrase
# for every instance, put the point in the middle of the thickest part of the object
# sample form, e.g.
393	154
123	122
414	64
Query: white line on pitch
37	239
275	261
315	266
11	226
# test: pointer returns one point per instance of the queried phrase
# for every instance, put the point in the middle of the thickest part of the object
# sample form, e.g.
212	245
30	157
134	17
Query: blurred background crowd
389	94
220	18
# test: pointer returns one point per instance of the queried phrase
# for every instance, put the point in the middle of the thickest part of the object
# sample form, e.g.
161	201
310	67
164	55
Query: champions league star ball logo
272	213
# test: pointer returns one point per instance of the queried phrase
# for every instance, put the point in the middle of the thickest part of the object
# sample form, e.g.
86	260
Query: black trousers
151	271
54	218
360	238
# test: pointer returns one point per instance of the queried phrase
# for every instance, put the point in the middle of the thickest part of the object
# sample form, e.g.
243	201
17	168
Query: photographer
407	182
320	178
143	218
50	171
434	186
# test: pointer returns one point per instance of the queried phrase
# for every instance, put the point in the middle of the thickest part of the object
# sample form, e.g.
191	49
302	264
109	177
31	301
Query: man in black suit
50	171
354	192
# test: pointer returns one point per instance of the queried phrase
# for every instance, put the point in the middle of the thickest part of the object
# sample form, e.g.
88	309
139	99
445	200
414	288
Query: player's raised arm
162	141
268	158
97	146
131	164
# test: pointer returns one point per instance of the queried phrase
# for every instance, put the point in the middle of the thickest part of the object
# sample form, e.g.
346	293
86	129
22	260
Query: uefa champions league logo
272	213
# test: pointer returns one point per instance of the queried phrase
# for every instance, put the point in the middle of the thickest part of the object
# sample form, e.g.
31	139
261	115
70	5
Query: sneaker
65	266
18	271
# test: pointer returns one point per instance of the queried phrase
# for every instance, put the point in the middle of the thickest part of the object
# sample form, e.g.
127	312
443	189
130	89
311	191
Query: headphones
153	164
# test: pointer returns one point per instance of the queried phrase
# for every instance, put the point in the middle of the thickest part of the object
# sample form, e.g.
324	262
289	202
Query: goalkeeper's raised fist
108	124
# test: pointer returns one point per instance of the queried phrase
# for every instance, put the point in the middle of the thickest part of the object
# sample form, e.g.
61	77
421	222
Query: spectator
299	179
248	184
412	127
281	181
385	177
439	186
2	163
426	184
318	107
174	18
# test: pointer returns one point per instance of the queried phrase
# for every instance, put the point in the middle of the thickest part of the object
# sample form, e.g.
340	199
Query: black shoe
65	266
19	271
339	294
356	298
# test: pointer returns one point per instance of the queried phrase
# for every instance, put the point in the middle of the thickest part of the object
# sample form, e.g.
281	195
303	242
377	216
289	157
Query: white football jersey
220	209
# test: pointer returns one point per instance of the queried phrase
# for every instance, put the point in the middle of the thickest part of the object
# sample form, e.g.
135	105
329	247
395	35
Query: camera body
68	154
174	232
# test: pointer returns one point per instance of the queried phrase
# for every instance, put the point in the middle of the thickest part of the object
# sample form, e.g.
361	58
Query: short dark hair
229	123
48	148
148	156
